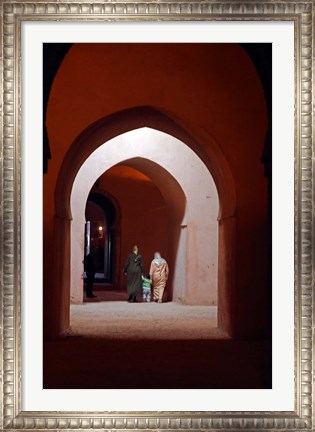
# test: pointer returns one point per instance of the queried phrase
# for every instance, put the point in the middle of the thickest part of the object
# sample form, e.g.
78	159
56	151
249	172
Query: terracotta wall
213	92
143	215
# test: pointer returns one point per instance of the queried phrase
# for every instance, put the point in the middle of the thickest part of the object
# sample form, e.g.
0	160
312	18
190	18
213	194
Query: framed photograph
157	268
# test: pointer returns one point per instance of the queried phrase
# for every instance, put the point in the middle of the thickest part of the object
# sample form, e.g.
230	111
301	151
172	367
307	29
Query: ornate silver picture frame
13	13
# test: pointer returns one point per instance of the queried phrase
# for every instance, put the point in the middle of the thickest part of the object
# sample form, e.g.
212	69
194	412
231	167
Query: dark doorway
100	218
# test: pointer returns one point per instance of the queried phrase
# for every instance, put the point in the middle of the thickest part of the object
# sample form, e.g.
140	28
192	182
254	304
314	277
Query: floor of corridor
114	319
114	344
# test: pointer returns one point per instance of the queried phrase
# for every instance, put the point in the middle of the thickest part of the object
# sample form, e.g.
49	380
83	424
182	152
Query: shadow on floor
74	363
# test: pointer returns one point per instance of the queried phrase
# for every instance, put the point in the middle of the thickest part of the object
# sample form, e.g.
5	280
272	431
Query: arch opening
152	211
191	208
140	117
224	213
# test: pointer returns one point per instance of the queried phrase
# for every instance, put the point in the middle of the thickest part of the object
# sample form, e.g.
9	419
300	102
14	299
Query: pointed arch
203	146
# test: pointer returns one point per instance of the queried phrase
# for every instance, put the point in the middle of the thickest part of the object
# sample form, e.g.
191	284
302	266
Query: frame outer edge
306	185
1	216
10	211
8	187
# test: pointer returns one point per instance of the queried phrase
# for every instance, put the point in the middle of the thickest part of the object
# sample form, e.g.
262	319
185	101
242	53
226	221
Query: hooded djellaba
133	269
159	274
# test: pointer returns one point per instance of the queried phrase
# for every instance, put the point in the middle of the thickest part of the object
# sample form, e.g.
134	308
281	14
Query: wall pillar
76	250
226	274
178	265
59	294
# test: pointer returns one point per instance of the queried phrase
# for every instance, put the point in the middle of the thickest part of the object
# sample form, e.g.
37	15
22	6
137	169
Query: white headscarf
158	259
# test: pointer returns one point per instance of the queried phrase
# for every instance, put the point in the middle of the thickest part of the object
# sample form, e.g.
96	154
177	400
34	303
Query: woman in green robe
133	270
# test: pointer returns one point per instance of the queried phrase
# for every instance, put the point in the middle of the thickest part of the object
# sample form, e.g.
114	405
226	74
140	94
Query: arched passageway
190	237
221	116
62	226
143	220
210	120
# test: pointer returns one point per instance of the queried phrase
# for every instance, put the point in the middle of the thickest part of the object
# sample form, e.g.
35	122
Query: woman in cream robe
159	275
